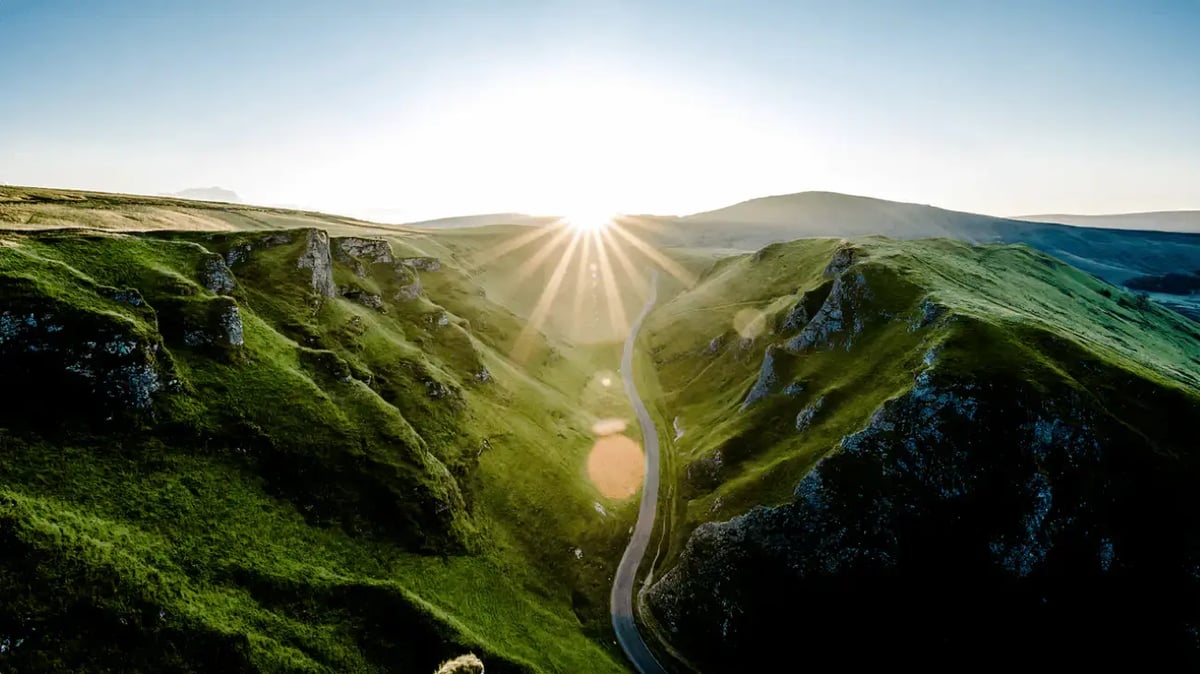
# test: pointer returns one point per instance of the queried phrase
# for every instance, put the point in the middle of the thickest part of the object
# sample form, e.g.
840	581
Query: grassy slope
178	526
1020	312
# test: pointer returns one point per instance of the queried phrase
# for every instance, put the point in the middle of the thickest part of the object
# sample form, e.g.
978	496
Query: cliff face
1006	503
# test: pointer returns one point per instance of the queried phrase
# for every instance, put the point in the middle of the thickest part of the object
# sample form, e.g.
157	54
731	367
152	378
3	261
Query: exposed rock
839	319
794	389
276	239
805	418
979	508
482	375
437	390
216	276
48	357
220	326
374	251
129	296
422	263
238	253
369	300
843	258
360	252
928	311
796	318
806	307
316	257
463	664
768	378
410	291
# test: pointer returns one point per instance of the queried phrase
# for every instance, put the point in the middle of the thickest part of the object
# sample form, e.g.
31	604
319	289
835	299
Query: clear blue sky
440	108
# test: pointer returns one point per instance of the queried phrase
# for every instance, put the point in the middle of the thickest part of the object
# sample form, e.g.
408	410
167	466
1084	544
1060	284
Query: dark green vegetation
284	451
928	455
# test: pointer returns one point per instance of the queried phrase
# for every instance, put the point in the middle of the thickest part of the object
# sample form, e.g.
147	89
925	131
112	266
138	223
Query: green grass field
342	491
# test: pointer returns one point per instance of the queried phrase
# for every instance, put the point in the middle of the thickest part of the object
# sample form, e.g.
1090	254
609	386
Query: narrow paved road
623	583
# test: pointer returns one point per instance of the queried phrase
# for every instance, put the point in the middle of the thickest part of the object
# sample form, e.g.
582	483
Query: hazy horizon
435	110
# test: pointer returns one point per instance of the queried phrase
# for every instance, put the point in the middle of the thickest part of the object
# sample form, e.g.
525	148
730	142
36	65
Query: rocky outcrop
841	317
375	251
51	357
218	325
768	378
369	300
805	418
422	263
359	253
316	257
845	256
215	275
927	312
1002	510
409	291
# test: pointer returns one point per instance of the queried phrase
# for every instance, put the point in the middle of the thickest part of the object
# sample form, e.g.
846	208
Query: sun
589	221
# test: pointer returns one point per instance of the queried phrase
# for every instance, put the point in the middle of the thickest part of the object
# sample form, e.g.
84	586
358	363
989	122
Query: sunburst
586	245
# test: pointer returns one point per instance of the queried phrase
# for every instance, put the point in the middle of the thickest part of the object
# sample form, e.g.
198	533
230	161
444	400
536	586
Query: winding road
623	620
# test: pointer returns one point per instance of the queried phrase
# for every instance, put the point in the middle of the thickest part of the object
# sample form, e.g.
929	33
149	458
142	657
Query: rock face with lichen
56	354
316	257
970	503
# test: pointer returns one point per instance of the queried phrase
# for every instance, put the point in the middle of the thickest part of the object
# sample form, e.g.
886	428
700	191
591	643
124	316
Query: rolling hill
245	439
1115	255
968	457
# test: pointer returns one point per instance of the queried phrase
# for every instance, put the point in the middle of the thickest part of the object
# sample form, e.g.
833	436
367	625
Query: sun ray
623	260
581	279
531	265
670	266
524	341
616	305
513	244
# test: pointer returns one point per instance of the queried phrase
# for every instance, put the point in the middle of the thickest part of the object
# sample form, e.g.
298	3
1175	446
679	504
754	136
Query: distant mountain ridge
480	220
207	194
1115	255
1163	221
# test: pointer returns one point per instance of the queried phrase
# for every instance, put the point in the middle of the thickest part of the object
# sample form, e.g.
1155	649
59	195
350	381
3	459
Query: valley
257	439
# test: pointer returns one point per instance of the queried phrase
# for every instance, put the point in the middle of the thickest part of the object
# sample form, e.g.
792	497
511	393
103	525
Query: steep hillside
1162	221
1112	254
927	454
285	451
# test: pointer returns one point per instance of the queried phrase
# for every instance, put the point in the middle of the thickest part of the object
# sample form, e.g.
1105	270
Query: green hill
284	451
900	454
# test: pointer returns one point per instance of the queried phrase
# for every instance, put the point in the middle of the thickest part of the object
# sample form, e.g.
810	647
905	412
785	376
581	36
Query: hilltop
1115	255
256	439
967	456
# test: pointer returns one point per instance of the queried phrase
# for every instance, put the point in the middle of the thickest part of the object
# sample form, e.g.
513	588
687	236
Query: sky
414	110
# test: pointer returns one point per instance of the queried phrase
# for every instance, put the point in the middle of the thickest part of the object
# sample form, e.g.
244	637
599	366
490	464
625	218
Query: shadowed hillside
970	457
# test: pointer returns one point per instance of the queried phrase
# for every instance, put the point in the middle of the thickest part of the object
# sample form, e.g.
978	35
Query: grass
301	502
1016	313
